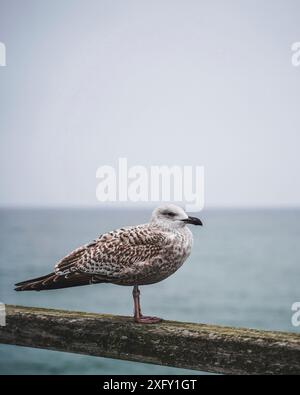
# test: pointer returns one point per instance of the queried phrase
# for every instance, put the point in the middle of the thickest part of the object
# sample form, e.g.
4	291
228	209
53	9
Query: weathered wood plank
178	344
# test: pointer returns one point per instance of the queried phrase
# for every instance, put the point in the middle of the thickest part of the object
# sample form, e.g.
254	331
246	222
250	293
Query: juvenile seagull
136	255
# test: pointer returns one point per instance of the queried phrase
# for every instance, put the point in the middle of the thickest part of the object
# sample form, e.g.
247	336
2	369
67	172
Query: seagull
132	256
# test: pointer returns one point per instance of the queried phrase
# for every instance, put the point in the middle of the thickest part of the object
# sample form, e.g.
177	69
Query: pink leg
138	317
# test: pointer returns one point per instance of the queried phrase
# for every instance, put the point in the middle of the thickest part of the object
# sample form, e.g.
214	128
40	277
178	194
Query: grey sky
159	82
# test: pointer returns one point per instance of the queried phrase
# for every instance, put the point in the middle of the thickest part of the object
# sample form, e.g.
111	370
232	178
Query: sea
244	271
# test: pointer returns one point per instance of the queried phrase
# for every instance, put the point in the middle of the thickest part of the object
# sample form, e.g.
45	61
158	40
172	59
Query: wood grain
185	345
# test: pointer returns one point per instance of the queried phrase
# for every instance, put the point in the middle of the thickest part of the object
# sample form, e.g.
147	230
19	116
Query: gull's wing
114	257
113	254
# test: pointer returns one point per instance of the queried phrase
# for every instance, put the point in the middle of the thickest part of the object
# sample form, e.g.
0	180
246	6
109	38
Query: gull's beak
193	221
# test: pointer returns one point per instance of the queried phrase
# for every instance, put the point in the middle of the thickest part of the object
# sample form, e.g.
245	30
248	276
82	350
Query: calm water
244	271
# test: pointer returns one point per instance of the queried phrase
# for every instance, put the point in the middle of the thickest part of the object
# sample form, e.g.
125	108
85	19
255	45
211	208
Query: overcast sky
160	82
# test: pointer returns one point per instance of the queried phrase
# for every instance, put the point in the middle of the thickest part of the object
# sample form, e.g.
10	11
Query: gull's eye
169	214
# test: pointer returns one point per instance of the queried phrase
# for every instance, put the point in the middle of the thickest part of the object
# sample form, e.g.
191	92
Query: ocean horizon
243	272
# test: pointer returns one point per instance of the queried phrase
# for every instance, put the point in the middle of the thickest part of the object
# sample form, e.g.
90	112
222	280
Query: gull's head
173	216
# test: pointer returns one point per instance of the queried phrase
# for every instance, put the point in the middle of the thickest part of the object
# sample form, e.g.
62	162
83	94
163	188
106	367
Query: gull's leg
136	302
138	317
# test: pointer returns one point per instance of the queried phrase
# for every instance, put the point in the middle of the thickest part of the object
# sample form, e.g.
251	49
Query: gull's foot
147	320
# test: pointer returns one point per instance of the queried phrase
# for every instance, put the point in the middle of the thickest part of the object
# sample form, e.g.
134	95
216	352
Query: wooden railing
179	344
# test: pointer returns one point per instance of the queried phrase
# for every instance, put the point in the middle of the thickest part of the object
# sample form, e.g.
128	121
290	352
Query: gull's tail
55	281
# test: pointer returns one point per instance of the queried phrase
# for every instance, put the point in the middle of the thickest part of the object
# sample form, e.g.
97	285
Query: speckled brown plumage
136	255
